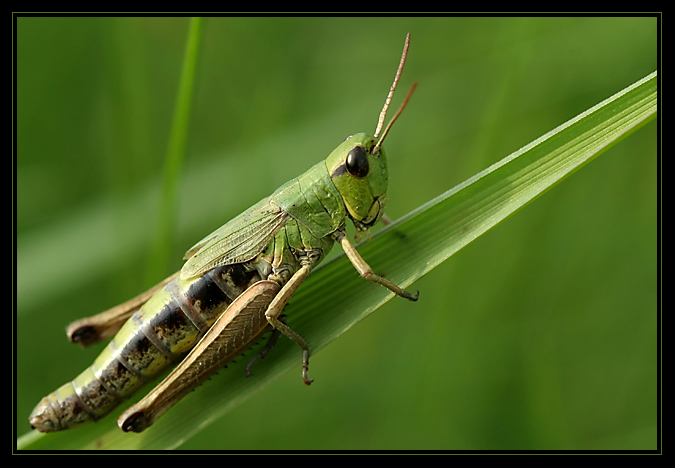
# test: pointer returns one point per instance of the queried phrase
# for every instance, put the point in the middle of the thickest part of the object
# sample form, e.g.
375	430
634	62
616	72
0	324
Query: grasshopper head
361	177
358	167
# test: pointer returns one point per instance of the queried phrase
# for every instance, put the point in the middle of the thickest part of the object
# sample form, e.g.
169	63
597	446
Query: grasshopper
232	288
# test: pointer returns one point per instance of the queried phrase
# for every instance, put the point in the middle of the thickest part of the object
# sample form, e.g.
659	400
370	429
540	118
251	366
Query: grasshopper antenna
383	113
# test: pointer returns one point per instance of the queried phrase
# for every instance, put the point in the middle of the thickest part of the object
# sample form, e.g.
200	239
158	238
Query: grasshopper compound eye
357	162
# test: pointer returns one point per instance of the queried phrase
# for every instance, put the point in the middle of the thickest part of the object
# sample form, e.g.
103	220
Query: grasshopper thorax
361	177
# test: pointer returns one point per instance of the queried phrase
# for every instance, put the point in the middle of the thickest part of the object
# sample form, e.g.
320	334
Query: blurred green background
541	334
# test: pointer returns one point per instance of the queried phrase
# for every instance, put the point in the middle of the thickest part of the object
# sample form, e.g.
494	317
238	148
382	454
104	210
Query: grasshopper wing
237	241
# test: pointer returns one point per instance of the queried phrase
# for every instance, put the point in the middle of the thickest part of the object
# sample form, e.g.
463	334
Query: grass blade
166	219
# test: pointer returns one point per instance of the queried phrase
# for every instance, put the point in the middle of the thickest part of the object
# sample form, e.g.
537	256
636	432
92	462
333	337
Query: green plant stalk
166	220
334	297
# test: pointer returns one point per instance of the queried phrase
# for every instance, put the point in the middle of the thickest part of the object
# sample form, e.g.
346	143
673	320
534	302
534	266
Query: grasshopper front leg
364	269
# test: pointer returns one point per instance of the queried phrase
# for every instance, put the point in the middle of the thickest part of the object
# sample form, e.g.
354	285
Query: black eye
357	162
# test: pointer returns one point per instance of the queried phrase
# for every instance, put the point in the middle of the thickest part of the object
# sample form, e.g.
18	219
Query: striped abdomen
160	333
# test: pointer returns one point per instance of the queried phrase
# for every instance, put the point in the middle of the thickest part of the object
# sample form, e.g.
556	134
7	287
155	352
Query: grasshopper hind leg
271	342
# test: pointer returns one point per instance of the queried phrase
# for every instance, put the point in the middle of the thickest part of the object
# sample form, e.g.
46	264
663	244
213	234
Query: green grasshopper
232	289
